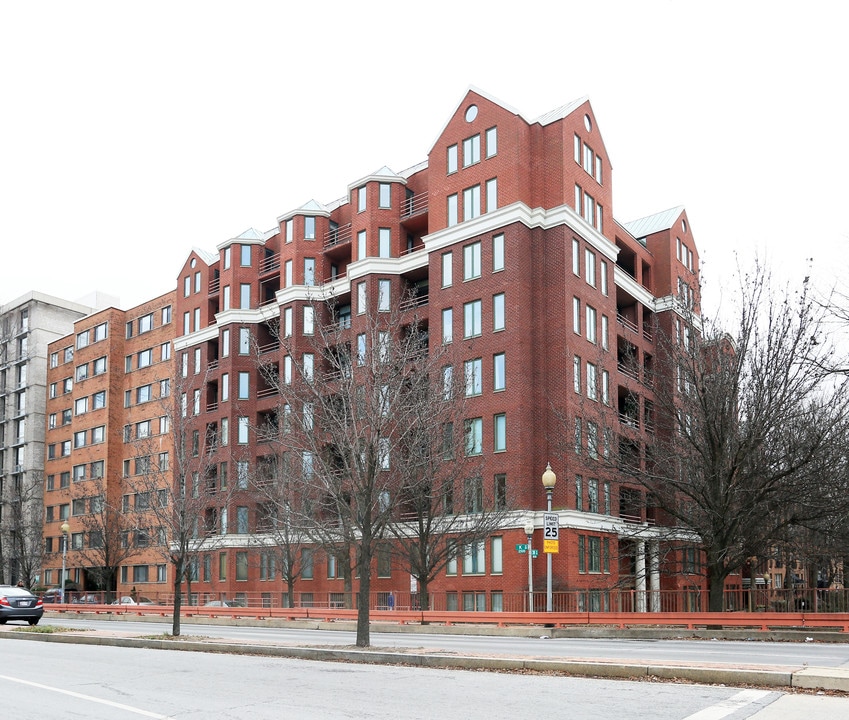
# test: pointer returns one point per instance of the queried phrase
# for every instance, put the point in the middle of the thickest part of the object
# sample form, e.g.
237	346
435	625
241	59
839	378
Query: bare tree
361	428
185	499
22	527
749	427
113	535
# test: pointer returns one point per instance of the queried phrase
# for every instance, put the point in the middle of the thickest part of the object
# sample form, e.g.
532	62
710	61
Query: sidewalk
827	678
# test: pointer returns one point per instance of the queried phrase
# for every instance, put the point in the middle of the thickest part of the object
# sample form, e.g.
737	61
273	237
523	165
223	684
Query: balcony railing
628	324
272	262
214	286
415	205
413	302
338	236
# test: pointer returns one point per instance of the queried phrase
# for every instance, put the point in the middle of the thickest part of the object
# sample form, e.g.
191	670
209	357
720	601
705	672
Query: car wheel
33	621
2	621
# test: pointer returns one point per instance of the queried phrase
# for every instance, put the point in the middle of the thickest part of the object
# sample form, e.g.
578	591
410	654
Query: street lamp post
529	531
549	479
65	528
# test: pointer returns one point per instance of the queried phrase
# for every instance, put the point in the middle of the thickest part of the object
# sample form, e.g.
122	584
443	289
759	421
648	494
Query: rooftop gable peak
664	220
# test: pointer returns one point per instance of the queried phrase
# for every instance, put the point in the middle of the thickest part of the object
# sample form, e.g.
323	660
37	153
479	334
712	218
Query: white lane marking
730	705
90	698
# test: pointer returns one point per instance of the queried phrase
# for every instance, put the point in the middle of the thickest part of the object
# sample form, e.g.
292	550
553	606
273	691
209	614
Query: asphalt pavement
811	678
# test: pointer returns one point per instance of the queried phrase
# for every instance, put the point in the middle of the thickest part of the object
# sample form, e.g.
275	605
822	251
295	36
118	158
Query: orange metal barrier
690	621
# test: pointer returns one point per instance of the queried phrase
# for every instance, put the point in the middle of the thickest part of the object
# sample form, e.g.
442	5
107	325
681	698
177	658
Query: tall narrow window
361	245
500	433
499	321
447	269
472	319
447	325
474	377
591	324
385	198
471	150
309	319
383	295
383	237
576	373
309	271
576	315
452	159
452	210
492	195
497	253
472	202
472	261
491	142
361	199
576	256
589	266
499	372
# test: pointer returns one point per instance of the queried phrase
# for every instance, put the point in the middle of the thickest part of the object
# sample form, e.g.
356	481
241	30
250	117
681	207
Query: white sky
131	132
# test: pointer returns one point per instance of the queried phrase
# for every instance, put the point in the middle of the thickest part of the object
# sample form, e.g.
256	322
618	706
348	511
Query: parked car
127	600
17	603
88	599
53	595
222	603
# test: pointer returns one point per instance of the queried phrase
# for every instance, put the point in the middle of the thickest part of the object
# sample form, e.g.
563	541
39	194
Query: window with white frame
309	228
361	298
492	194
385	195
225	300
452	159
497	252
384	238
242	432
225	387
591	324
592	382
244	385
447	325
576	315
499	428
362	248
309	271
472	202
499	312
605	387
576	373
361	349
471	150
244	295
447	269
474	436
474	376
472	319
472	261
287	322
499	372
384	294
589	266
287	274
452	210
309	366
474	559
244	341
361	199
491	142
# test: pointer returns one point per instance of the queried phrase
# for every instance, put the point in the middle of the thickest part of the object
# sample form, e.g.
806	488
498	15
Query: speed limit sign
551	532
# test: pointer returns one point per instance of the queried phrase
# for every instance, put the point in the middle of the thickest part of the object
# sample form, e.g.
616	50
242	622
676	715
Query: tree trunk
178	599
363	595
716	592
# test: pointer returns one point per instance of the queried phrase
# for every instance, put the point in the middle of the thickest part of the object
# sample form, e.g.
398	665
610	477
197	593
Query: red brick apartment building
506	233
107	386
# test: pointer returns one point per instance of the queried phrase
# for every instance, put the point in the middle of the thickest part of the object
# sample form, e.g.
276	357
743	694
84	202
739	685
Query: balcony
269	264
415	205
337	236
414	301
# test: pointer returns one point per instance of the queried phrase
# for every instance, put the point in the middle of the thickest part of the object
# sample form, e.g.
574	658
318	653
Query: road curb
808	678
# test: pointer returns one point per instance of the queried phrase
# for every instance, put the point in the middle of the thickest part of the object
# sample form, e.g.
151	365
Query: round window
471	113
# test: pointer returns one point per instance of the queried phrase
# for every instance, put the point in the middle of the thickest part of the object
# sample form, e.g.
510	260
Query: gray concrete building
27	325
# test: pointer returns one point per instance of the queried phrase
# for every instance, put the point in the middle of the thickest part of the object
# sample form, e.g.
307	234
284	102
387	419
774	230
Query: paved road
762	654
112	683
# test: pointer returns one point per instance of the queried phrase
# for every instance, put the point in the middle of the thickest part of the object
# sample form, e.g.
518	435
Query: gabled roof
204	255
561	112
654	223
310	207
251	234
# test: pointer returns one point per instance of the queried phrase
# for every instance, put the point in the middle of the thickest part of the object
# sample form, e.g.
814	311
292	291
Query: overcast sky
132	132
